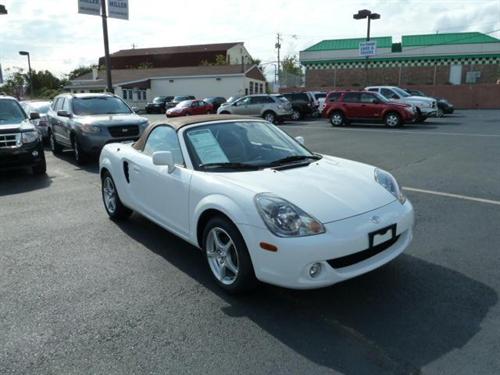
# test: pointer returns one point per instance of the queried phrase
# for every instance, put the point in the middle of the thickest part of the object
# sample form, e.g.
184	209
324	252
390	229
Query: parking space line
450	195
426	132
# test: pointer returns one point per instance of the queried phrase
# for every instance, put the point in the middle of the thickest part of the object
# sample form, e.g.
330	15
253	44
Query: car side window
58	104
367	98
351	97
164	138
66	105
388	93
334	97
373	89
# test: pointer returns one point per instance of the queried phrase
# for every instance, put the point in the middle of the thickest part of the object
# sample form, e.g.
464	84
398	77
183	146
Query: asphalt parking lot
81	294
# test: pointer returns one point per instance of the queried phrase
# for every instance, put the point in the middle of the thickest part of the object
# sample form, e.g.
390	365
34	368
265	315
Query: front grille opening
9	140
360	256
124	131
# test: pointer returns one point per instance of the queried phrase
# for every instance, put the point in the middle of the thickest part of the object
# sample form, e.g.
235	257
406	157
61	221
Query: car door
241	107
58	122
160	195
369	107
352	105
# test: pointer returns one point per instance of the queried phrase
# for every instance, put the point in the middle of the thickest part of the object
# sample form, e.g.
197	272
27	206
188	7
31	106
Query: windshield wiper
290	159
228	165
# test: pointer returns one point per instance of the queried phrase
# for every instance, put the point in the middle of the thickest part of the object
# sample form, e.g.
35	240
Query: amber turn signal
268	246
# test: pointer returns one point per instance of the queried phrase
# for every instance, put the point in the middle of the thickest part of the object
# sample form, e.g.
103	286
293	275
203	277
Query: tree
14	85
81	70
219	60
291	74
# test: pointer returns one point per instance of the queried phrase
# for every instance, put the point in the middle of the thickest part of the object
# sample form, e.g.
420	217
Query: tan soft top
179	122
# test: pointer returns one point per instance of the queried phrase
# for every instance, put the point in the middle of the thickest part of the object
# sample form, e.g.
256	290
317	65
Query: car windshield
11	112
42	107
99	106
401	92
243	145
159	99
233	99
179	98
184	104
281	98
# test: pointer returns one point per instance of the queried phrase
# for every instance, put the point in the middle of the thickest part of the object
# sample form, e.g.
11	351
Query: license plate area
382	235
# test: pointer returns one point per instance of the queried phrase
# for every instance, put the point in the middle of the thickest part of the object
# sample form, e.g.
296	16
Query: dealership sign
92	7
116	8
368	48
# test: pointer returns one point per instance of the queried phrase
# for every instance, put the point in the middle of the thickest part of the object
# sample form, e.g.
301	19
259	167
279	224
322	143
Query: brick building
433	59
179	56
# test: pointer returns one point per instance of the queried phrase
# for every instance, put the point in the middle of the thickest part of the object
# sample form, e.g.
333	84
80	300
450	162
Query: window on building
251	88
262	88
124	94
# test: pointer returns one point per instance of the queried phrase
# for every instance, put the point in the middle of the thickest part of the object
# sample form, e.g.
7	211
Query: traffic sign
368	48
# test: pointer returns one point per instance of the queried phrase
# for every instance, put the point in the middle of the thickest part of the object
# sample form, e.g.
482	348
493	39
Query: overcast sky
59	39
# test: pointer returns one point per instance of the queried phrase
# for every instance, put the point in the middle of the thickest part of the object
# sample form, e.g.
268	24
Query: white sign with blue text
118	9
92	7
368	48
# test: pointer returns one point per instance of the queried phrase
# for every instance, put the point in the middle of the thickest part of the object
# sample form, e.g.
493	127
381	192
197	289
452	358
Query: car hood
418	99
16	127
111	120
331	189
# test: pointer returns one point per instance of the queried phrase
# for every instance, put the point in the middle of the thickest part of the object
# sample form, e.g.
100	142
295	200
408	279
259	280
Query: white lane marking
449	195
425	132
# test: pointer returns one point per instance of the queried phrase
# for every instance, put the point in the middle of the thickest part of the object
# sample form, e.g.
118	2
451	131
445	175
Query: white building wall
238	52
199	87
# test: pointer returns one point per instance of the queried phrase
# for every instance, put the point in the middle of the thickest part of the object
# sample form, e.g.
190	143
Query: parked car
21	143
190	108
425	107
302	104
345	107
158	105
216	102
42	108
177	100
86	122
258	203
270	107
444	106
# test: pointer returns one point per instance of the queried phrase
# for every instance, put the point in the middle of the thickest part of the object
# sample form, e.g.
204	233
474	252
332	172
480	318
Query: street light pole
106	46
26	53
362	14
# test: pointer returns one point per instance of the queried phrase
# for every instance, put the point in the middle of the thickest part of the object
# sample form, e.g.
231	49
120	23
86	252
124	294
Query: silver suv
271	108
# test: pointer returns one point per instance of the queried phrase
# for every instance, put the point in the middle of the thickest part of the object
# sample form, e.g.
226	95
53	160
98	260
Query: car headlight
284	219
30	137
90	129
390	184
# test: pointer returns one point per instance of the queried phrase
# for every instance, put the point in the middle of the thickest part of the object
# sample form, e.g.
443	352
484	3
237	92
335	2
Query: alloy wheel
392	120
337	119
295	115
109	194
269	117
222	256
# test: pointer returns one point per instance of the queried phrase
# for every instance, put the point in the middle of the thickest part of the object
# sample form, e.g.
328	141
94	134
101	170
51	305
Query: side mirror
34	116
63	114
164	158
135	109
300	139
376	101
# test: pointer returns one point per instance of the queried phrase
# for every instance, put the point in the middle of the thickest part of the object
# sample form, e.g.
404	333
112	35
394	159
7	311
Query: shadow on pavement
21	181
396	319
91	165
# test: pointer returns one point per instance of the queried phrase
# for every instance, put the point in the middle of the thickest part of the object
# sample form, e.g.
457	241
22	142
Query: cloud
59	39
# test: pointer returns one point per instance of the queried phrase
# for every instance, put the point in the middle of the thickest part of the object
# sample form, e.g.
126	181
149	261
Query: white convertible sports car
258	203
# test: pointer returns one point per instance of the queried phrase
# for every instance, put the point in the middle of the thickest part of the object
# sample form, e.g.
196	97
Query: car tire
337	119
296	115
148	111
269	116
56	148
223	262
41	168
392	120
78	153
112	203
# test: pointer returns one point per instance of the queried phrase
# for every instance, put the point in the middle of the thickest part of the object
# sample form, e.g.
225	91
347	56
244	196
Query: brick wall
477	96
395	76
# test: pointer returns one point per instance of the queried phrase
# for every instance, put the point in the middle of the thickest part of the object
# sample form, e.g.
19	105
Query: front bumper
19	157
428	111
289	266
92	144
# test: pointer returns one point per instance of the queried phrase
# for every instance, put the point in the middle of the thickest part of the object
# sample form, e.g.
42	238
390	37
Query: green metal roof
449	38
338	44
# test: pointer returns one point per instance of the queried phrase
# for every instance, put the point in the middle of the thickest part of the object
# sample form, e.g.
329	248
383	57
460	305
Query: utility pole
106	45
278	47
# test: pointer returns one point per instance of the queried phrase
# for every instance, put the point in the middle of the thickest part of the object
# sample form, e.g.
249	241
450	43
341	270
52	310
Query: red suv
344	107
189	108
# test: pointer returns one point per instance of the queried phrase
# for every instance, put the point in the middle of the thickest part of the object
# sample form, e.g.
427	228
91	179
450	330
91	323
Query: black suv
302	104
87	122
159	104
20	142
